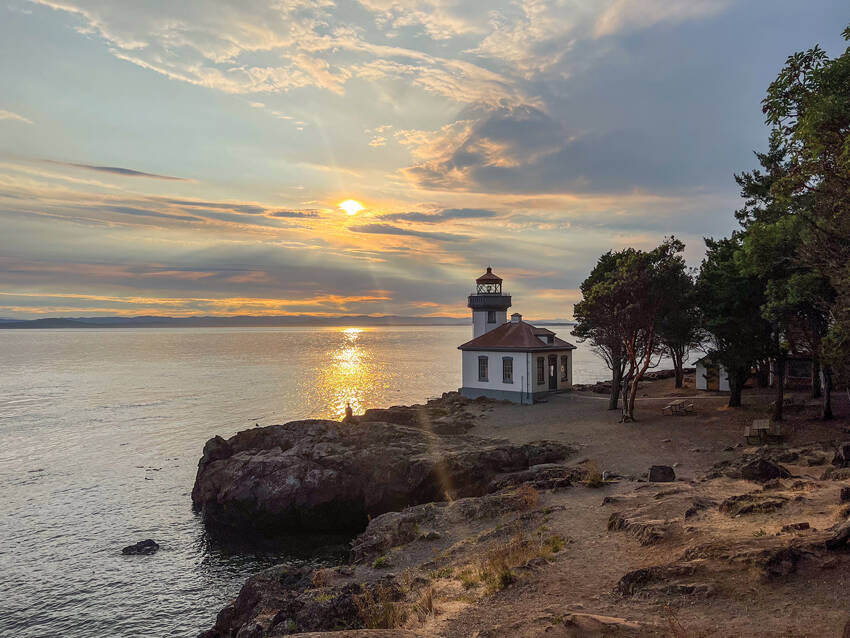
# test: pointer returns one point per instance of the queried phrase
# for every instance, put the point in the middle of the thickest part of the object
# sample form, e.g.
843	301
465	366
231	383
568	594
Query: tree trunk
616	381
779	381
736	385
816	384
629	400
678	365
826	412
763	374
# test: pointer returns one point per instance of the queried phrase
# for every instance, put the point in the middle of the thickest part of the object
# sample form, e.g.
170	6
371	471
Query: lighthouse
488	303
511	360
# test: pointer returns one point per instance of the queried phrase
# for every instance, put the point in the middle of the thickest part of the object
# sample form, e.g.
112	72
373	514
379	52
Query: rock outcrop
142	548
661	474
318	475
281	601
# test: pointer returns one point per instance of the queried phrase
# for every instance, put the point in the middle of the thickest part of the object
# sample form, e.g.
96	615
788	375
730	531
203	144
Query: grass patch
468	578
424	605
443	572
321	577
496	568
593	475
379	609
528	495
381	562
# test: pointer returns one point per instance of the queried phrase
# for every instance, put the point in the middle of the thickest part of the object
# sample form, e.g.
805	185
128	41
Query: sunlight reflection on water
100	435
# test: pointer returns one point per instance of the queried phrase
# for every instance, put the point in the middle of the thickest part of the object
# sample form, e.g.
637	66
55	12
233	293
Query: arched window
565	376
541	371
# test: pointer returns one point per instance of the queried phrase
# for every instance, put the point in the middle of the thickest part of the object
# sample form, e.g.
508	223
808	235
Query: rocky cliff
318	475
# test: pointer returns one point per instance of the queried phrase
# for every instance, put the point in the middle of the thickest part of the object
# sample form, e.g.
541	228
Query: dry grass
468	578
424	605
593	476
379	609
528	495
321	577
673	623
495	570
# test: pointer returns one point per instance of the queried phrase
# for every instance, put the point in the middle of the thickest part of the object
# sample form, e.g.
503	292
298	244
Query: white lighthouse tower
489	304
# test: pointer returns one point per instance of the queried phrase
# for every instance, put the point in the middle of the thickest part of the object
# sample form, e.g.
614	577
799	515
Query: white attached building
510	360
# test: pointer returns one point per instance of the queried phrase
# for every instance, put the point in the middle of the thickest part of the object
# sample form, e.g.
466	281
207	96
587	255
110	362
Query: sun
351	206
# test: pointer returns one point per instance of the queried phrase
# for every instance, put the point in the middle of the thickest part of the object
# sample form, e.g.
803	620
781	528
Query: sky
189	158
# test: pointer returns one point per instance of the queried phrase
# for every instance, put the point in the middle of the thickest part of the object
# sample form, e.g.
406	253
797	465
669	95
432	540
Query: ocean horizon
100	434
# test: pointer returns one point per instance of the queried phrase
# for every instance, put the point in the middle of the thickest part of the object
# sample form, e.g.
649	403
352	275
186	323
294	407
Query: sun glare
351	206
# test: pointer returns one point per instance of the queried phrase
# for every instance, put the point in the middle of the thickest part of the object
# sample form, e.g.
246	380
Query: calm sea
100	435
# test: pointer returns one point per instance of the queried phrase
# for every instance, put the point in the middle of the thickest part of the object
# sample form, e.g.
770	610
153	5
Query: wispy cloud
117	170
9	115
294	214
389	229
440	216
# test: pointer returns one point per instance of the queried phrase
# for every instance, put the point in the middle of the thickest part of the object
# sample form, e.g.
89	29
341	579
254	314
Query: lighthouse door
553	372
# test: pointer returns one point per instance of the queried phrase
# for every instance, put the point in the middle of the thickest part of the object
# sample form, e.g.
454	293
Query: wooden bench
758	431
678	407
775	432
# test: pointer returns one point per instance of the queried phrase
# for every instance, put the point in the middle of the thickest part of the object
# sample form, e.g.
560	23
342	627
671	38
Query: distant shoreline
235	322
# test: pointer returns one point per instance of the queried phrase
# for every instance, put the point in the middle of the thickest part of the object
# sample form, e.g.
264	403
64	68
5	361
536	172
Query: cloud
8	115
622	15
129	210
389	229
443	215
117	170
294	214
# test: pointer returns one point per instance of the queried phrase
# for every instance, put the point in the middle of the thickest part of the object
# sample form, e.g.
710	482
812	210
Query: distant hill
43	323
245	321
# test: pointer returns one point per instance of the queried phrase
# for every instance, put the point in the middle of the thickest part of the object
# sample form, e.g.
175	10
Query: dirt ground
573	595
695	441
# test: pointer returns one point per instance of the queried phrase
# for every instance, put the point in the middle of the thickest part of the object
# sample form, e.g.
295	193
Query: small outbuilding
711	375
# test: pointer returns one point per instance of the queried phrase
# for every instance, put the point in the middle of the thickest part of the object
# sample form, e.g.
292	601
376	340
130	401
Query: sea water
100	435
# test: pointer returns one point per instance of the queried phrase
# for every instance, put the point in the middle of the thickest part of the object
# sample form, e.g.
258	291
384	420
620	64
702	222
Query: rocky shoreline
446	522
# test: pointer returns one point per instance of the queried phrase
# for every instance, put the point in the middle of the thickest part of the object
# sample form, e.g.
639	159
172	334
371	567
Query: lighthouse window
482	368
491	316
541	371
507	370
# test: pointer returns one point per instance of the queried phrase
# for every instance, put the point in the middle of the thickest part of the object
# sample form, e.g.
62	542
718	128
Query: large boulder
318	475
842	456
283	600
142	548
661	474
763	470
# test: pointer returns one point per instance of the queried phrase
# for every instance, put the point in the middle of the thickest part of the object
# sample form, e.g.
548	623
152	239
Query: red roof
488	277
516	336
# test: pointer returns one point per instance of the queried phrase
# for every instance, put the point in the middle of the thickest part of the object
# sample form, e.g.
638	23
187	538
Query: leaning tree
635	291
595	325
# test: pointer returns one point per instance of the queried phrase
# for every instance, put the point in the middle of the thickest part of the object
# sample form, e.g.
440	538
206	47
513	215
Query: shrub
381	562
593	475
